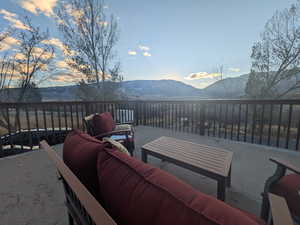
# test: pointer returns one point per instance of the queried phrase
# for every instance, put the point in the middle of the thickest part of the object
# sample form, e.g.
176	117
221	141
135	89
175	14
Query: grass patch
3	131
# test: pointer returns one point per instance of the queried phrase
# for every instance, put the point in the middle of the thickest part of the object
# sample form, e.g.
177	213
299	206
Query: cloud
69	52
62	64
76	13
12	17
146	54
236	70
35	52
70	76
144	48
66	77
201	75
39	6
56	42
7	13
103	23
19	56
8	43
40	52
194	83
132	52
170	77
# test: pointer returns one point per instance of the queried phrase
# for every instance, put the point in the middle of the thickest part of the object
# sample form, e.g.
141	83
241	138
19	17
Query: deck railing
267	122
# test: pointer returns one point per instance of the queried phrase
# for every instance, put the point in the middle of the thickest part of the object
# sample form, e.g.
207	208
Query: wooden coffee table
209	161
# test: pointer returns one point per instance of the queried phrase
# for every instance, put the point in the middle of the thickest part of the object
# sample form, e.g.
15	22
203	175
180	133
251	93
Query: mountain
159	89
235	87
58	93
232	87
137	89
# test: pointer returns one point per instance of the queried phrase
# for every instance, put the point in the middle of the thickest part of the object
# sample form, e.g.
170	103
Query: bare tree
6	66
222	79
224	87
7	69
33	58
4	35
23	69
6	77
276	57
220	71
89	38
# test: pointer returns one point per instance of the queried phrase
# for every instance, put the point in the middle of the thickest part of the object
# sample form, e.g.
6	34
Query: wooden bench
209	161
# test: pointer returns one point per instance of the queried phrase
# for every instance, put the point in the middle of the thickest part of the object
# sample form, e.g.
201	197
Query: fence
267	122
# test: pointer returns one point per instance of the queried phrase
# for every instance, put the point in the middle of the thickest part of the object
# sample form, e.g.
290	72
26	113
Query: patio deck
30	193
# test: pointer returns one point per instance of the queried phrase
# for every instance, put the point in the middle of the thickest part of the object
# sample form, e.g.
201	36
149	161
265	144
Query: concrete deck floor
30	193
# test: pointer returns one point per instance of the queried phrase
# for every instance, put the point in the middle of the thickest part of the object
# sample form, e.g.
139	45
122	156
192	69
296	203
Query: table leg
229	178
144	156
222	189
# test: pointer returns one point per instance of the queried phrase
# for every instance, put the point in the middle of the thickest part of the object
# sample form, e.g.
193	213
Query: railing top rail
203	101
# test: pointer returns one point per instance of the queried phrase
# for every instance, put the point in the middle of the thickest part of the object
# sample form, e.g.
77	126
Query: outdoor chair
285	185
103	125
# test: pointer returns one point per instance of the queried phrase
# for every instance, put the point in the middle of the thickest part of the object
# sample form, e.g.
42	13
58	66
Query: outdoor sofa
105	186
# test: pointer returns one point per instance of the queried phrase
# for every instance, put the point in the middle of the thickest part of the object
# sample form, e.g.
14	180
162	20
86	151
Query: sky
168	39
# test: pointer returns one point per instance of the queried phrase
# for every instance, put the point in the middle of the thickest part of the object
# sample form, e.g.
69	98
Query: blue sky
173	39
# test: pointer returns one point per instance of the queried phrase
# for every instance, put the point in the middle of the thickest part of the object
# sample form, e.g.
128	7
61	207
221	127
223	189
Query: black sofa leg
71	220
265	207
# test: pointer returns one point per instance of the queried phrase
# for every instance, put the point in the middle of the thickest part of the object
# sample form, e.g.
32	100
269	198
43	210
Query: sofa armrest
279	211
286	165
270	182
87	201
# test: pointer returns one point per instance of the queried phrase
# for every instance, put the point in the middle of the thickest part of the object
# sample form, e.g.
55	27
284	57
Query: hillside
137	89
149	89
233	87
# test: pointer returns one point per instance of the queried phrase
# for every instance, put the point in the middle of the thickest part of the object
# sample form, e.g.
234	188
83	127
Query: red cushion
136	193
289	188
254	217
103	123
80	155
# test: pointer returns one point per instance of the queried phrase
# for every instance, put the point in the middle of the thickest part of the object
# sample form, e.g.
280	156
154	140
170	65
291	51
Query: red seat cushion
135	193
80	155
103	123
254	217
289	188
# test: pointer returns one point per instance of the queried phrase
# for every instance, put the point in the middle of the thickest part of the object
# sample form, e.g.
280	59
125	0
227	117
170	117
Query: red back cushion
103	123
135	193
80	155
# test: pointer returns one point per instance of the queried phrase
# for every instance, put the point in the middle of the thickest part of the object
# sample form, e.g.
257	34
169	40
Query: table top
212	159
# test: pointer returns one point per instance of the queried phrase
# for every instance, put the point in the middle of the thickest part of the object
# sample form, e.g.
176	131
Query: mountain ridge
158	90
136	89
228	87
